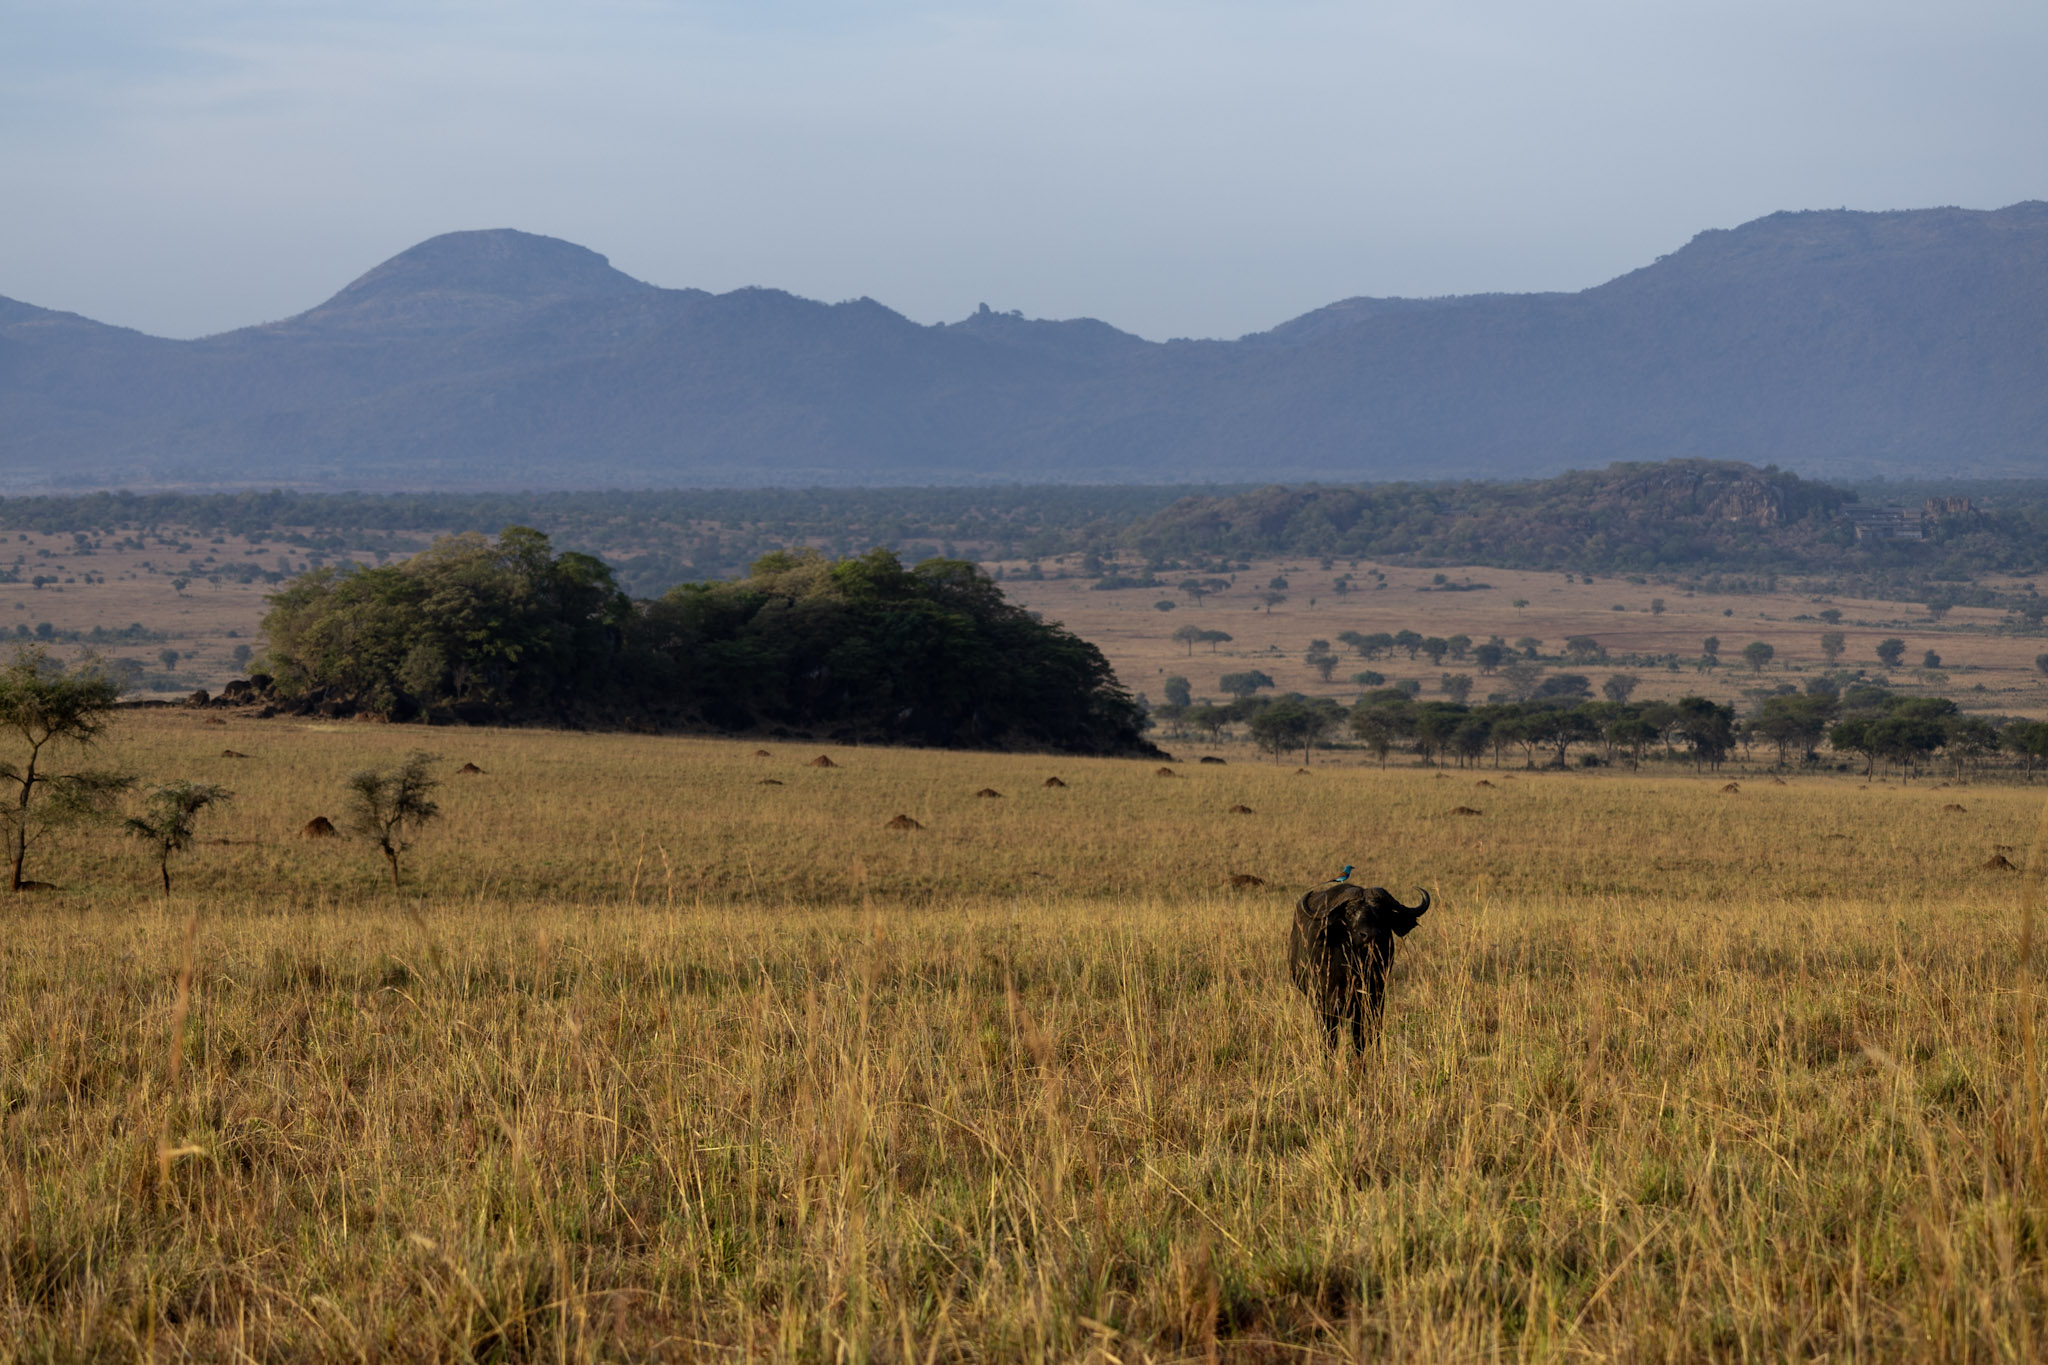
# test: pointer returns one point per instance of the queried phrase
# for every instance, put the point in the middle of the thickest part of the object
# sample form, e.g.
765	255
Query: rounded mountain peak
467	279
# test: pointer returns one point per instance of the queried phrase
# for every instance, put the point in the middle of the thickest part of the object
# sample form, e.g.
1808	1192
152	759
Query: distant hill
1838	343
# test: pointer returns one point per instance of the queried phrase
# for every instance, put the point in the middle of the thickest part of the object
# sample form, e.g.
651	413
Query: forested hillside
1680	516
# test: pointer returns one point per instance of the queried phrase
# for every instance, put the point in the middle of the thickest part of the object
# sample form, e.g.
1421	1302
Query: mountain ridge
1838	342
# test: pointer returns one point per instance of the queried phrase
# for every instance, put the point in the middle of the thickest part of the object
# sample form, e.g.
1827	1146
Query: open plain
191	591
654	1057
1649	629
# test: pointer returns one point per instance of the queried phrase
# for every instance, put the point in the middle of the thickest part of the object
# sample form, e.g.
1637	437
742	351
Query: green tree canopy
45	712
493	629
1793	723
1293	720
168	817
862	648
865	647
1245	683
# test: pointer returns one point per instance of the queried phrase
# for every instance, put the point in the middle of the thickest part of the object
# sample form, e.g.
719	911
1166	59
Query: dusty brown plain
138	587
1137	637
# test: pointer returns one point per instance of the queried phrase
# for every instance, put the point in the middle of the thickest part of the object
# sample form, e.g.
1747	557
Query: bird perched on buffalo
1342	942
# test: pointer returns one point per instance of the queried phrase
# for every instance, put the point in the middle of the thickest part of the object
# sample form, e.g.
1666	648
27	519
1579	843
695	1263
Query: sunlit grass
651	1059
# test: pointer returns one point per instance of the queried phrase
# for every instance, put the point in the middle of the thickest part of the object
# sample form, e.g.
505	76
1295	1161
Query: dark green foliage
1291	720
865	647
1695	517
862	648
1449	731
1626	516
1794	724
472	627
1245	683
1903	731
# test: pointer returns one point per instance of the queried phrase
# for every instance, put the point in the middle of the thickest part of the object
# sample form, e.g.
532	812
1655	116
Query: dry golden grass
652	1061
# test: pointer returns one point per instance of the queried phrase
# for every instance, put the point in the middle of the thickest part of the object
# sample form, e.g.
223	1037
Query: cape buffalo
1343	940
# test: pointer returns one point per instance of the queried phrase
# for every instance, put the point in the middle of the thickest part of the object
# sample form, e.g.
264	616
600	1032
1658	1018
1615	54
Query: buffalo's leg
1333	1029
1368	1002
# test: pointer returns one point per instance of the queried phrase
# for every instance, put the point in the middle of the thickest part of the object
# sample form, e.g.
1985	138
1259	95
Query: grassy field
651	1059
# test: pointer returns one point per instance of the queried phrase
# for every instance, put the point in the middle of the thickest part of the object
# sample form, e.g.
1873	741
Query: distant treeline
1723	525
1864	723
652	539
857	649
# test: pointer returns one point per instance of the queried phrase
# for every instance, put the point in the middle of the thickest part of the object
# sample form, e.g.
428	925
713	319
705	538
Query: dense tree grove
859	648
483	628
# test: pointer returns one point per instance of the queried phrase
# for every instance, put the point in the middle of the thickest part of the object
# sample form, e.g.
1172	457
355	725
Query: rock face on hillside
1834	343
1683	491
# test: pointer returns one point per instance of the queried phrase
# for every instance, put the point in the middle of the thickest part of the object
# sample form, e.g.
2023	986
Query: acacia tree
389	808
1245	683
167	819
46	710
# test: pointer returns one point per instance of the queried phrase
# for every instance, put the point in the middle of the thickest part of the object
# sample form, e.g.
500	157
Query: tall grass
654	1061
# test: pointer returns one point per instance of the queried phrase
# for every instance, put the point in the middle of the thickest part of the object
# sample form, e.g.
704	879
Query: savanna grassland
651	1059
1987	665
191	591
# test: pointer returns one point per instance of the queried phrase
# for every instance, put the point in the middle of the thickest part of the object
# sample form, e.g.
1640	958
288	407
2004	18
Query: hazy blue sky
1192	168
